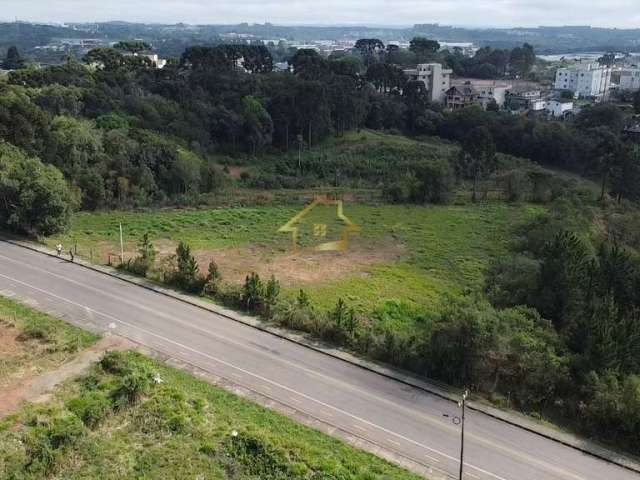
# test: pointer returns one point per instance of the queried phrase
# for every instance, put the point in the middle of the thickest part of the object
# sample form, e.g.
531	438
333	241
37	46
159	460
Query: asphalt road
395	416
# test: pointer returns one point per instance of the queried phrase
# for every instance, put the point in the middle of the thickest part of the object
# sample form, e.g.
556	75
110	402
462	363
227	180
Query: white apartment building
584	79
436	79
630	79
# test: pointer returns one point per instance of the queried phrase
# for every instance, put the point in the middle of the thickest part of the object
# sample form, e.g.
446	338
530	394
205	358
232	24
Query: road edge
512	418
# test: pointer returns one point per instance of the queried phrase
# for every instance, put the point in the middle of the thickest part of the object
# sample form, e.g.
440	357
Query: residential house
437	80
559	108
525	99
487	91
461	96
586	80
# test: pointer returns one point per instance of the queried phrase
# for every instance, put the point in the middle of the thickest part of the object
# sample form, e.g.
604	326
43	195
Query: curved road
397	417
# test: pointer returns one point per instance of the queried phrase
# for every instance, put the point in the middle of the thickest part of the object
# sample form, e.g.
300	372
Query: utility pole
463	404
121	245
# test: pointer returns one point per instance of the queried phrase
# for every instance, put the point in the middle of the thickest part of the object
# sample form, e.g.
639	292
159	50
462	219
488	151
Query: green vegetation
446	248
41	341
119	422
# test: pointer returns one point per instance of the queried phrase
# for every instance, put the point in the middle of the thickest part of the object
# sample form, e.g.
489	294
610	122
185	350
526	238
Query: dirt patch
36	388
236	171
305	267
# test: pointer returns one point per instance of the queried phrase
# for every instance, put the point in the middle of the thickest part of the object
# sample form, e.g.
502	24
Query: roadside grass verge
133	417
33	342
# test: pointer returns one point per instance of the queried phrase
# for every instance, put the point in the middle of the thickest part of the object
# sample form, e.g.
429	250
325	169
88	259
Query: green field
444	248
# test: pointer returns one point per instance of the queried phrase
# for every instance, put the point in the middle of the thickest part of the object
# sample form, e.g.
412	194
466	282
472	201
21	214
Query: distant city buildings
436	79
630	79
585	80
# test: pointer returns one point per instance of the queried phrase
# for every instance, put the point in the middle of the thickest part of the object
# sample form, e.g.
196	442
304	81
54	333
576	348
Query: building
630	79
461	96
632	132
586	80
525	99
437	80
487	91
559	108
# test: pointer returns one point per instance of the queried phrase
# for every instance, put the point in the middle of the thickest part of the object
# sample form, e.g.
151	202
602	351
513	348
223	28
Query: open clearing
412	253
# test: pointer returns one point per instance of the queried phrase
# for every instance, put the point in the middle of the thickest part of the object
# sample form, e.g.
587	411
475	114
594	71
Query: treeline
586	286
127	134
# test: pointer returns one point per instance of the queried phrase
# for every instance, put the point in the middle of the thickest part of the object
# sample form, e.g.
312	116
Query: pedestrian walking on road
71	254
59	249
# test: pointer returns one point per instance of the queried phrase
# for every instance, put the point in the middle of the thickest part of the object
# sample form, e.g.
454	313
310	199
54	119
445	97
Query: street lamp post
463	405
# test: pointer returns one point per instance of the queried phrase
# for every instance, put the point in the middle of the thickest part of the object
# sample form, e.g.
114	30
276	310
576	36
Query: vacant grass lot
132	417
411	253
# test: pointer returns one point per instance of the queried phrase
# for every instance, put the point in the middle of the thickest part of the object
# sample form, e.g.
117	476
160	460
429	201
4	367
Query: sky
482	13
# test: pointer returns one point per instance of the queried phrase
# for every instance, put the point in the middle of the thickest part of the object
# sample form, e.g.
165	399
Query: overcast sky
606	13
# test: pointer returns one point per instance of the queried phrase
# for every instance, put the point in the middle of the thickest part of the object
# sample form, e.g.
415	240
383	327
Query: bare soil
305	267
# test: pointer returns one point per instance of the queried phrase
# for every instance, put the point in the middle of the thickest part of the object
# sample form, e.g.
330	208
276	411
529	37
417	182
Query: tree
187	274
606	154
608	59
636	102
601	115
13	60
522	60
625	174
132	46
258	126
34	198
424	49
308	64
369	49
562	279
478	157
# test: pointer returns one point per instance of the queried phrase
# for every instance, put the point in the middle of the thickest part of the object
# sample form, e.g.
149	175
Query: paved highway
392	415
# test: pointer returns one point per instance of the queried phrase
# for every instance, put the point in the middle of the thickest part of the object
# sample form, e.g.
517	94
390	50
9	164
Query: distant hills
171	38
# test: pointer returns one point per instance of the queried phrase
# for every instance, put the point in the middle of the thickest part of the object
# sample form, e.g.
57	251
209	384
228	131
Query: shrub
213	279
253	293
183	272
145	259
271	292
259	458
115	362
91	408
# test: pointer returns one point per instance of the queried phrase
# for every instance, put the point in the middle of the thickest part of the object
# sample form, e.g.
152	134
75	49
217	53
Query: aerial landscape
284	240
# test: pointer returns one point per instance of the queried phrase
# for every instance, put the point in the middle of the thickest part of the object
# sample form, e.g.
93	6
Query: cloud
612	13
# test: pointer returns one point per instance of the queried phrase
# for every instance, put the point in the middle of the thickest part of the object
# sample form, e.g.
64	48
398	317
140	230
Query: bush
253	293
512	281
92	408
259	458
115	363
145	259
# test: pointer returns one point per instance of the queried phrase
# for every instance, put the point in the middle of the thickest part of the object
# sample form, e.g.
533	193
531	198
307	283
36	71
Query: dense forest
557	327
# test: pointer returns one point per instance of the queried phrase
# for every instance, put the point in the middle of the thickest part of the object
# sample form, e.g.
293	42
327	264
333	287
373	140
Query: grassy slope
181	428
44	342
